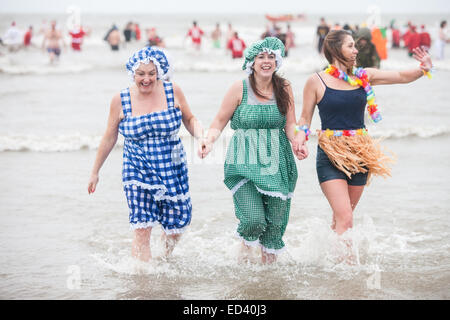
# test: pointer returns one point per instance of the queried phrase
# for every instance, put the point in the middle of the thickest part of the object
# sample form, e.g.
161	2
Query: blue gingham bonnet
147	54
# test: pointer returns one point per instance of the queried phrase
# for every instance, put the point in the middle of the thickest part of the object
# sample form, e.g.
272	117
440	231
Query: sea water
58	242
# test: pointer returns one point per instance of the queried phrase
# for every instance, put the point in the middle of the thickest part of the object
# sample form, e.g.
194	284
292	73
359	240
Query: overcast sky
226	6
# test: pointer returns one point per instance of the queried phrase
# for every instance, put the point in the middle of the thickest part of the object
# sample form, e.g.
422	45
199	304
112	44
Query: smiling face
265	64
339	48
145	77
348	50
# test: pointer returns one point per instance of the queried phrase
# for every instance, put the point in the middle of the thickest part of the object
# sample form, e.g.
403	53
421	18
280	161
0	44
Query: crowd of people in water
260	106
372	43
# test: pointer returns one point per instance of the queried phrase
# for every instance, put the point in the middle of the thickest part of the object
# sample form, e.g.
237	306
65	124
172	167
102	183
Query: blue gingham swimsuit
154	174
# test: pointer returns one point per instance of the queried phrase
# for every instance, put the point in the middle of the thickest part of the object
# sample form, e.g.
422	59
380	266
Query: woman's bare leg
355	193
343	199
337	193
140	247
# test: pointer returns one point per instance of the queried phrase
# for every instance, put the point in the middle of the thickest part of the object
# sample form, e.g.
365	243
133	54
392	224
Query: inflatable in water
285	17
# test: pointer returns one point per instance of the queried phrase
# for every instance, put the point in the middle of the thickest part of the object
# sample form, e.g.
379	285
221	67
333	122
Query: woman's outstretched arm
108	141
377	77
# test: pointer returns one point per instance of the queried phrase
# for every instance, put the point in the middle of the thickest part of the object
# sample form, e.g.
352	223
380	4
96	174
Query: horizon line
226	12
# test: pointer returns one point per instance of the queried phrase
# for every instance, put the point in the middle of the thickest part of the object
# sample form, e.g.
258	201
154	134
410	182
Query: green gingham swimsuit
260	171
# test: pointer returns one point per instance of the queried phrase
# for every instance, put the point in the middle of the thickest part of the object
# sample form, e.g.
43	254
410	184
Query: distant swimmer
237	46
128	31
337	26
407	35
413	41
441	40
348	28
322	31
52	39
395	35
230	32
13	38
44	27
196	35
154	39
137	32
105	38
216	35
27	37
113	39
266	33
425	38
290	38
77	35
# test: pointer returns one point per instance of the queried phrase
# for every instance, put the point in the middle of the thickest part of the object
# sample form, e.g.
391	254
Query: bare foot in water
244	253
169	243
268	258
348	257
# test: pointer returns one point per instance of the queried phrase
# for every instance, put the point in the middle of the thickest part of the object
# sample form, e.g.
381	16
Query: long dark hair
332	47
279	89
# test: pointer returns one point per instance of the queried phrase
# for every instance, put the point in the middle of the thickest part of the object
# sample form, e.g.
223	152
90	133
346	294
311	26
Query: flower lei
362	81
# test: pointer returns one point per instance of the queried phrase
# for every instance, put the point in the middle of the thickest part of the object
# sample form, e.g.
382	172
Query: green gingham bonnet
269	45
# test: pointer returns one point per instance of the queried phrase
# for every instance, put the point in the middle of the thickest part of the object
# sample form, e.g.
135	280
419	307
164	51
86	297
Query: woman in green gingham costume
260	168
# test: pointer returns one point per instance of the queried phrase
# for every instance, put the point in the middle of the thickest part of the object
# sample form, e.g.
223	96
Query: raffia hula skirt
354	151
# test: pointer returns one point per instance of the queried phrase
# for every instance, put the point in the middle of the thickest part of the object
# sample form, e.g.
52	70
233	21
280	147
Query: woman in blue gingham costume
154	173
154	170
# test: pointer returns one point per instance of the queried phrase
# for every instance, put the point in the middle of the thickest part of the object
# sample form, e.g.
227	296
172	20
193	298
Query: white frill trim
161	192
143	225
268	193
278	58
175	231
276	194
166	76
237	186
272	251
182	197
147	61
256	243
160	195
248	67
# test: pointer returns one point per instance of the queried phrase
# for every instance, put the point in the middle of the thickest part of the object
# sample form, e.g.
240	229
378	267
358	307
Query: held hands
424	58
302	152
204	148
92	183
299	146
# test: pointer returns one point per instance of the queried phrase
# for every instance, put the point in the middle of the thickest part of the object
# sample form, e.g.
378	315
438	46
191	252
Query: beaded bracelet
303	128
429	72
